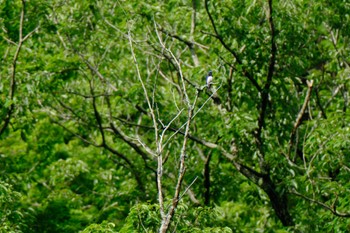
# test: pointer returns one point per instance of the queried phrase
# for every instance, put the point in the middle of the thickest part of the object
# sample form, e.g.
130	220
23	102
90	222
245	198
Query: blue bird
209	79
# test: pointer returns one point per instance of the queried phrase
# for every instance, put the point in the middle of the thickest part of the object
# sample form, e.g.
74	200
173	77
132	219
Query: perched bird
209	79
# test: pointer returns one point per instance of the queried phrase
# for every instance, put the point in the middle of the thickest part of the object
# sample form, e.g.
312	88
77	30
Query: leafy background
71	157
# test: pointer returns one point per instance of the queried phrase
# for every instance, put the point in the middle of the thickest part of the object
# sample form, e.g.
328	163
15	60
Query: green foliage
142	217
104	227
76	153
11	216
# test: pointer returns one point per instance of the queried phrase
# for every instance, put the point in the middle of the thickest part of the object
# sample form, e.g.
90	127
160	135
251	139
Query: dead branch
182	169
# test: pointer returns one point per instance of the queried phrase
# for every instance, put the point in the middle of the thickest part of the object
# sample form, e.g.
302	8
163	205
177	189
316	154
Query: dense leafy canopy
107	125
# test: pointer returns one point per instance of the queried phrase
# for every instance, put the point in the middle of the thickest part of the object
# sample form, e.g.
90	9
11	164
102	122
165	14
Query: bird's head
210	73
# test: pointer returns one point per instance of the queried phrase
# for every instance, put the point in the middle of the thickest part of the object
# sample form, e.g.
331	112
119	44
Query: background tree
112	128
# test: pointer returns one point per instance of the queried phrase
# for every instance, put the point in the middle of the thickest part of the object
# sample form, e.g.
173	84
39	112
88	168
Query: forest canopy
174	116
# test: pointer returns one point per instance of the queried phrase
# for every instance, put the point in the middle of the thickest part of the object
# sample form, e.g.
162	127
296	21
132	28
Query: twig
188	187
165	128
144	88
214	92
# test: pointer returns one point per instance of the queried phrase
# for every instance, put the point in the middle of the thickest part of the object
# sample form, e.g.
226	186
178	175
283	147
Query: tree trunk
278	201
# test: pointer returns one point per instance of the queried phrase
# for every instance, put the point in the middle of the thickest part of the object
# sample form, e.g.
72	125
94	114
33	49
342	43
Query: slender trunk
278	200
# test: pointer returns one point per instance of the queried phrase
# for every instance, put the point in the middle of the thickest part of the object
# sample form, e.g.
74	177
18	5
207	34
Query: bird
209	79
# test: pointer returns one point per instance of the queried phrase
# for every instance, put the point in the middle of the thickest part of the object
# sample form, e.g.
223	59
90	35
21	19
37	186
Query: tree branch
331	208
229	90
190	44
266	89
182	169
234	54
318	102
206	181
299	117
155	125
98	117
13	83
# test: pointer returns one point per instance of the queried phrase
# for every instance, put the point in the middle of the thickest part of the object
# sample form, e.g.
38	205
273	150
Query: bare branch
166	218
30	33
182	169
155	125
165	128
188	188
178	67
299	117
9	41
194	14
214	92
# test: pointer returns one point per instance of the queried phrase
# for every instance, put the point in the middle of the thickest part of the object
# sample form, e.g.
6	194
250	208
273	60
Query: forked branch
182	169
167	215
